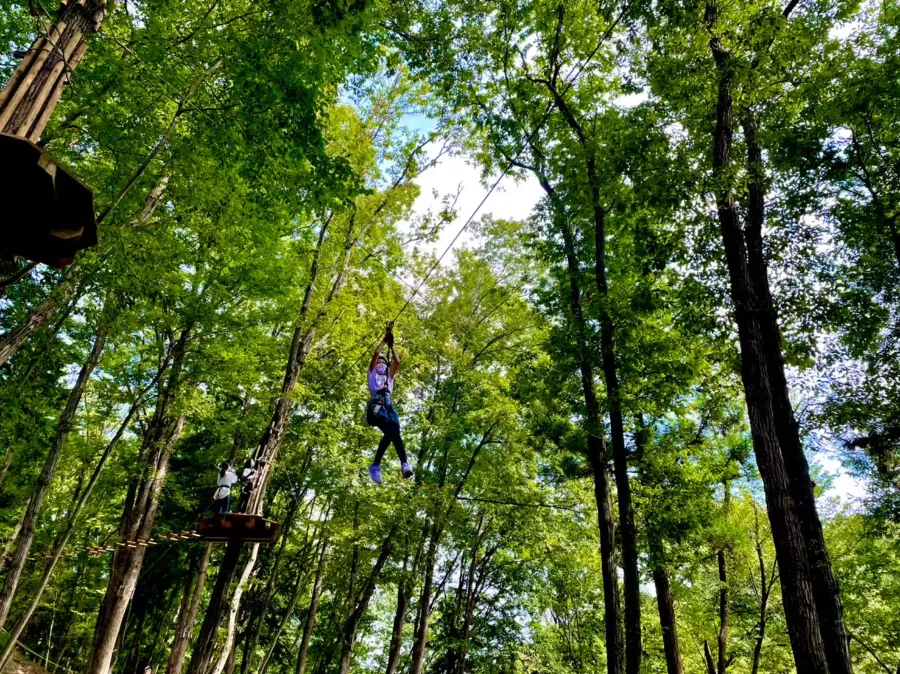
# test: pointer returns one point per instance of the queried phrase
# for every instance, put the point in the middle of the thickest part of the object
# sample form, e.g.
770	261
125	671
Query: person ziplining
380	411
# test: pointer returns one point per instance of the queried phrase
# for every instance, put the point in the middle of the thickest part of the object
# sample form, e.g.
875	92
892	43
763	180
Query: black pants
391	434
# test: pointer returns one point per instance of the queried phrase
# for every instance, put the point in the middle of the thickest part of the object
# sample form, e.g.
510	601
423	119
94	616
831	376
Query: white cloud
510	200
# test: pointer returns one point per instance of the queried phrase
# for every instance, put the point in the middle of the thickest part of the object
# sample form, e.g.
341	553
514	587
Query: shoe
407	471
375	473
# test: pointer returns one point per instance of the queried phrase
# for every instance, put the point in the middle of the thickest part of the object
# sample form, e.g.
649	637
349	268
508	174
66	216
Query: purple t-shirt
378	382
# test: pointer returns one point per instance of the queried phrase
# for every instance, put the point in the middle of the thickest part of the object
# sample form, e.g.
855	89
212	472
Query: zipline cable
570	80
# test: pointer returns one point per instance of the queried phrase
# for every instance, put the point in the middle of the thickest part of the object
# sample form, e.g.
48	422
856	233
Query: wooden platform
47	214
238	526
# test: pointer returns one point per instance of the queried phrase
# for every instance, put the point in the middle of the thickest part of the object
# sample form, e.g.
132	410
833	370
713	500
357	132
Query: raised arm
375	355
395	362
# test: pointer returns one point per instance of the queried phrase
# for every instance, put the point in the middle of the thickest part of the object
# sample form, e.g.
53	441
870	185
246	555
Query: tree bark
15	339
348	632
403	592
787	532
28	100
310	621
666	606
229	646
139	514
722	640
596	447
424	613
205	639
33	510
765	589
187	614
628	533
60	546
255	626
826	591
13	537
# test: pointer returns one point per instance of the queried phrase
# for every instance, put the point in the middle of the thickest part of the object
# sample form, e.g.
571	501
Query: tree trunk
134	652
708	658
633	651
139	515
255	626
824	584
596	447
348	633
206	638
35	87
310	621
13	537
787	533
288	614
666	606
187	614
403	592
229	647
722	640
424	613
764	591
63	539
15	339
33	510
4	470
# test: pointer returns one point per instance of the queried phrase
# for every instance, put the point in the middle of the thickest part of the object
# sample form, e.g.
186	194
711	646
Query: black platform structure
46	214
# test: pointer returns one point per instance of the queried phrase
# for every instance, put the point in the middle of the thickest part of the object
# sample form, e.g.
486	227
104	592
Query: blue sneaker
407	471
375	473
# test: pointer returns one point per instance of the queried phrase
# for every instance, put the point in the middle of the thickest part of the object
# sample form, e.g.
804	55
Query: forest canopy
627	401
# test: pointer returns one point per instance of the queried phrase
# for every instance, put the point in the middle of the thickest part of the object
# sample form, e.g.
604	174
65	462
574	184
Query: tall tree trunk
40	316
4	470
627	531
35	87
255	627
826	591
787	532
205	639
596	447
134	652
348	632
13	537
722	640
139	514
666	606
33	510
403	592
187	614
63	539
231	629
311	614
288	614
424	613
301	344
765	589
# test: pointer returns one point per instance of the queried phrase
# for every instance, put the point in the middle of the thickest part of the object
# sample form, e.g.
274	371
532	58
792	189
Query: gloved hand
389	335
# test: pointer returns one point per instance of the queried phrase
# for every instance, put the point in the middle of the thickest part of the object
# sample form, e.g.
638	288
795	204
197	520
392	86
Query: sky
511	200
